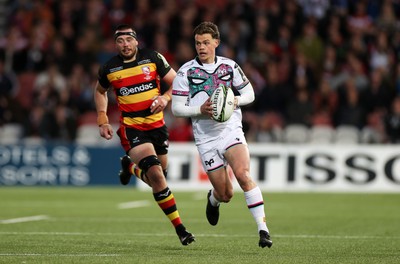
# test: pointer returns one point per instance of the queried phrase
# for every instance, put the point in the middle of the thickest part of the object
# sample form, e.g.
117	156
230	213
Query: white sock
214	202
255	203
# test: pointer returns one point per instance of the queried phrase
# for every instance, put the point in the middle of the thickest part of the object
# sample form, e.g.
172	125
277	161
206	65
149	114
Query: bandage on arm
101	101
180	109
102	118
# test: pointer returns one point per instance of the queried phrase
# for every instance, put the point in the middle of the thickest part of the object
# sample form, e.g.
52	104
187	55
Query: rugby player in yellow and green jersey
135	76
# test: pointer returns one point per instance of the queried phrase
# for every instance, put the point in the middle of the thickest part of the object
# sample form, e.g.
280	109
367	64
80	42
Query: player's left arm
161	101
101	102
243	86
168	79
246	97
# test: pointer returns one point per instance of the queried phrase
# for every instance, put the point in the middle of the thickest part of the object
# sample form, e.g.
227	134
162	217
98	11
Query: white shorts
212	152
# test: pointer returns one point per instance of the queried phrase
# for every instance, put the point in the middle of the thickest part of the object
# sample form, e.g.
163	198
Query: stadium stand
321	135
279	43
346	134
11	133
88	135
296	133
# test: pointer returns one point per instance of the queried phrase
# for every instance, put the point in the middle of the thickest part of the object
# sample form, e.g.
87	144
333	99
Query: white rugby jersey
196	82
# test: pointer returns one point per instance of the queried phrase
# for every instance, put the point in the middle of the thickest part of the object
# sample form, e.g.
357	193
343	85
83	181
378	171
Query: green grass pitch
124	225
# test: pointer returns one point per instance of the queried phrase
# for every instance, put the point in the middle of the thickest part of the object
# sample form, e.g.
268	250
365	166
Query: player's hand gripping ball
223	103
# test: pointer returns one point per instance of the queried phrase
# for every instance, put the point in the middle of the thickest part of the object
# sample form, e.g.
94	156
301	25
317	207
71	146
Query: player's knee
246	184
226	196
243	178
225	199
146	163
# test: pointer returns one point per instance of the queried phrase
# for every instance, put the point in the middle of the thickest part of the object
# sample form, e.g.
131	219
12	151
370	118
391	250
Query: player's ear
217	41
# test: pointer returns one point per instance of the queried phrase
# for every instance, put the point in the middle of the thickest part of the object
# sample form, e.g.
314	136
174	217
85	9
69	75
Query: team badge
146	71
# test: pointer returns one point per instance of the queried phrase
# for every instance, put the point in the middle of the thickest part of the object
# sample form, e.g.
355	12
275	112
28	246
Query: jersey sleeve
180	97
239	78
102	77
163	66
180	85
243	86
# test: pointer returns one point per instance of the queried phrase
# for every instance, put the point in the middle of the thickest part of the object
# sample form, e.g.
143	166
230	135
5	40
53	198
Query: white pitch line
201	235
24	219
60	255
134	204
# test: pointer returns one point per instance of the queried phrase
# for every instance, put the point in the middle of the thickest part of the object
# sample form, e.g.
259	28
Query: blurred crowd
311	62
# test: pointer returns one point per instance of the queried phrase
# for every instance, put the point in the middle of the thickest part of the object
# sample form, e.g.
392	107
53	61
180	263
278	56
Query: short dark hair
207	28
123	27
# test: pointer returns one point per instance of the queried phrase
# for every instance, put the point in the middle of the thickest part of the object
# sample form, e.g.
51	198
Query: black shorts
131	138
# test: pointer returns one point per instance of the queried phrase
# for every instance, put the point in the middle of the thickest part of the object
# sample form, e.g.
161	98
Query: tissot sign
274	167
306	168
338	168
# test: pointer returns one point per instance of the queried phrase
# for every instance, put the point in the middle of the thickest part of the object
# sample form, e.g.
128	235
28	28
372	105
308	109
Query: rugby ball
223	103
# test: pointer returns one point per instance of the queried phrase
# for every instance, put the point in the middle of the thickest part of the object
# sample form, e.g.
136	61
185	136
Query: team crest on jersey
146	71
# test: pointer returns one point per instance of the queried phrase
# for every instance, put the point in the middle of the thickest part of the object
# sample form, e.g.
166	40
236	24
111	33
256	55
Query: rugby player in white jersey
219	143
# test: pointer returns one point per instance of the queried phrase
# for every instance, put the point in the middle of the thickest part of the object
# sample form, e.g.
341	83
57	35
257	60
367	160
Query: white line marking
198	235
60	255
134	204
200	196
24	219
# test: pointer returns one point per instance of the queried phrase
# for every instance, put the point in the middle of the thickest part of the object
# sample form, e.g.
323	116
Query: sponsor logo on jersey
116	69
136	89
166	65
144	62
176	92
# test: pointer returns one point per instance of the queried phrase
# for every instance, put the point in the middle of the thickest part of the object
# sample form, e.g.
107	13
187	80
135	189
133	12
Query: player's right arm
101	102
180	100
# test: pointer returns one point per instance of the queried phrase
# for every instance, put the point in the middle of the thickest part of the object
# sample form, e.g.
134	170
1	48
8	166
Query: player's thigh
220	181
141	151
238	158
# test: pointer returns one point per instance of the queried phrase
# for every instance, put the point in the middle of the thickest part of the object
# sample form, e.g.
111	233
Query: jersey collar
199	62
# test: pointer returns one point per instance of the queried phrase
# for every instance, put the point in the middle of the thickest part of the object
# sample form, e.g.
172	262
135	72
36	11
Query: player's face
205	47
126	45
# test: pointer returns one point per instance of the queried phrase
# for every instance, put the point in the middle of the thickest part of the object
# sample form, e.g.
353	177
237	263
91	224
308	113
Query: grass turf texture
86	225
